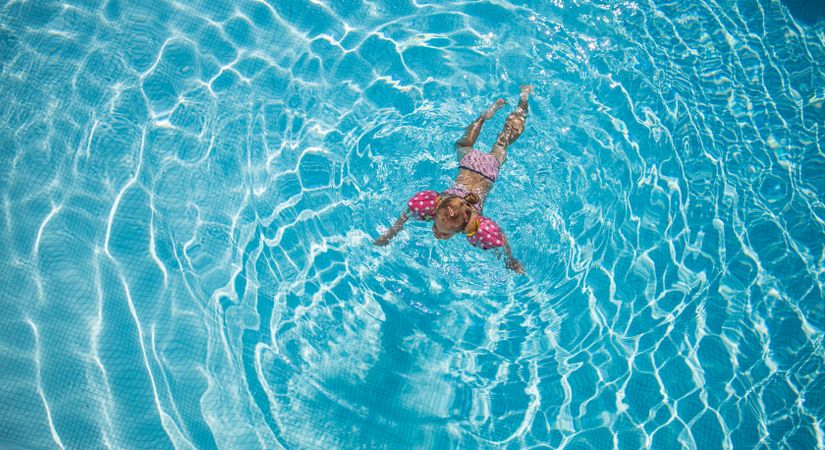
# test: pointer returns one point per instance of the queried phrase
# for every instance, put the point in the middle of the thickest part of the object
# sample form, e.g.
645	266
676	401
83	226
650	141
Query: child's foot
525	91
493	108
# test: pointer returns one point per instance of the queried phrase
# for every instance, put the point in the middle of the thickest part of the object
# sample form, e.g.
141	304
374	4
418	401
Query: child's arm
488	236
394	229
422	206
511	262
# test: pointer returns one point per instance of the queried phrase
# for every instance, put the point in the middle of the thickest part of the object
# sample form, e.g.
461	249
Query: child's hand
382	241
515	266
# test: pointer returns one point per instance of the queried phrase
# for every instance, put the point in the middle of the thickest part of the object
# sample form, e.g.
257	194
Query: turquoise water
190	191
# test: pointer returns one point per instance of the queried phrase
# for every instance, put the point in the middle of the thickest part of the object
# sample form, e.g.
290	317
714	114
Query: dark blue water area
806	11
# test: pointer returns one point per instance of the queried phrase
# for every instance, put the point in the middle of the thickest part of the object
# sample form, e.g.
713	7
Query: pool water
190	190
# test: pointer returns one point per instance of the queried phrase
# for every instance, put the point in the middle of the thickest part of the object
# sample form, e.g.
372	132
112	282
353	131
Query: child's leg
513	126
465	144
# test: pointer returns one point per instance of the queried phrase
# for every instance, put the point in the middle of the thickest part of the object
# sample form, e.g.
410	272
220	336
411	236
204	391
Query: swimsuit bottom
484	164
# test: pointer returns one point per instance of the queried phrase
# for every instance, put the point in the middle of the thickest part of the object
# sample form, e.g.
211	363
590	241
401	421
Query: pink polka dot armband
487	236
423	204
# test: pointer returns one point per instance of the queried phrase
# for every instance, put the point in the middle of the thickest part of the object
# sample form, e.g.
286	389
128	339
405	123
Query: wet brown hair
461	211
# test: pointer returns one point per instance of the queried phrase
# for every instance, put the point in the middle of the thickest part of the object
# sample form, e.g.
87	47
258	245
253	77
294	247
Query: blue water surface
190	190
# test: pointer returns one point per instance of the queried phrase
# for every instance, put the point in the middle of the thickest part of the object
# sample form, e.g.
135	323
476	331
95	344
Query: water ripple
191	191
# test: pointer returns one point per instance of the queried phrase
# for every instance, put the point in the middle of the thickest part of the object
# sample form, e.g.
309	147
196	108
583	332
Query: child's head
452	215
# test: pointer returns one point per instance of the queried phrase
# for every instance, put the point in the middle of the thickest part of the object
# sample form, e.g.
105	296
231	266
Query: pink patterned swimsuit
481	163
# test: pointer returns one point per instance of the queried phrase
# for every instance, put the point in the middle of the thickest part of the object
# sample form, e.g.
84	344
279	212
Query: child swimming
458	209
